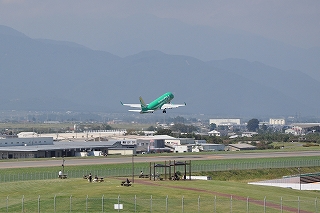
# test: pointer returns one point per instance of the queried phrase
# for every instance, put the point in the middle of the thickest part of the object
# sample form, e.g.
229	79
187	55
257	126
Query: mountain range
47	75
125	37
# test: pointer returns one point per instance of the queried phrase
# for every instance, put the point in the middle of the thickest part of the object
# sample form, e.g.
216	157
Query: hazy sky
296	22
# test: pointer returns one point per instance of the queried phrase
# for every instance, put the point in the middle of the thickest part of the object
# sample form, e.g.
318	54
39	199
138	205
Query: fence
255	165
125	172
139	204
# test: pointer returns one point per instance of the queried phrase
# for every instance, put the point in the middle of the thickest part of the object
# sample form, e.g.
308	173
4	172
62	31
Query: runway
20	163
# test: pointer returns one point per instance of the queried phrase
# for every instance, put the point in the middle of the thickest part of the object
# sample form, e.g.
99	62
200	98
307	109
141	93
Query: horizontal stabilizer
134	110
141	112
147	111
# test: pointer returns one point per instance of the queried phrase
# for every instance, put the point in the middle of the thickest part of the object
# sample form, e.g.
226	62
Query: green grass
146	164
252	175
296	146
77	190
225	188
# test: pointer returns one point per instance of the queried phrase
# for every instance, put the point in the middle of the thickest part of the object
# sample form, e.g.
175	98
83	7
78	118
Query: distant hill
52	75
124	37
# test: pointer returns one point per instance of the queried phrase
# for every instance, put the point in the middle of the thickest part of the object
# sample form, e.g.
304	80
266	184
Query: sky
294	22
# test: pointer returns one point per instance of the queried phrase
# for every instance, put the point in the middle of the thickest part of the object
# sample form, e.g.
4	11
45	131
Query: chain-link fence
124	172
214	204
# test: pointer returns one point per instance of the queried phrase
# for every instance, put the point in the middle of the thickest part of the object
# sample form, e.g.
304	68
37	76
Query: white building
277	121
248	134
14	141
183	148
225	121
214	133
290	131
156	143
86	135
179	141
199	148
27	134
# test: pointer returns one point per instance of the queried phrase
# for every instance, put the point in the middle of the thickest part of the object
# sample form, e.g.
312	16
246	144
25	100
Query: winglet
121	102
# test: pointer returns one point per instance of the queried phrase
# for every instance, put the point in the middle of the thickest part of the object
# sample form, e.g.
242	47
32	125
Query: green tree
179	119
164	132
214	140
213	126
106	127
264	127
151	128
222	127
131	132
253	125
184	128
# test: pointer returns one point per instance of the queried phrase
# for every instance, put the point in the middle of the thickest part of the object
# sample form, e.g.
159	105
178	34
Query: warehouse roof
62	145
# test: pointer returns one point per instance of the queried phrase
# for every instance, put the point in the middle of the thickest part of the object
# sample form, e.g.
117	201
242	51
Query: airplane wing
132	105
171	106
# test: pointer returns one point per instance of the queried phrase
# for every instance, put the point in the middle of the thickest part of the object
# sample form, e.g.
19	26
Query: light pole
63	165
299	178
133	168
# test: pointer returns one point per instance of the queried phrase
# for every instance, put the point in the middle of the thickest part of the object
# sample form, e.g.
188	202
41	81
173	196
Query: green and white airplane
163	103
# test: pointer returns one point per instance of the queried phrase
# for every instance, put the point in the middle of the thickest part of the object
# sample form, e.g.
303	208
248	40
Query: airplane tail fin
143	104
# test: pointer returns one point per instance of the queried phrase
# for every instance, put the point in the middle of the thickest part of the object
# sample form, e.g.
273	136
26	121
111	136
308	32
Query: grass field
227	192
78	195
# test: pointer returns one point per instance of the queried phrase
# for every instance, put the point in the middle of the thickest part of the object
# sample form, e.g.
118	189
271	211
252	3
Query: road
147	158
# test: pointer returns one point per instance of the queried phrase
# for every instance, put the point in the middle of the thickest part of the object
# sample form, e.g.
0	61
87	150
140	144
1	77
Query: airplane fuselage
159	102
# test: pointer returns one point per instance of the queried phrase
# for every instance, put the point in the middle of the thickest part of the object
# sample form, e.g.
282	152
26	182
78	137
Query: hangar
45	147
240	146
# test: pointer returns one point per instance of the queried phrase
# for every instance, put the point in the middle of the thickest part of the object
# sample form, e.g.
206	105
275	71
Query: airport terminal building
32	145
45	147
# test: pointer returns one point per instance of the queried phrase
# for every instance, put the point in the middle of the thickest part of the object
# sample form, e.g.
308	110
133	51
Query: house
290	131
214	133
